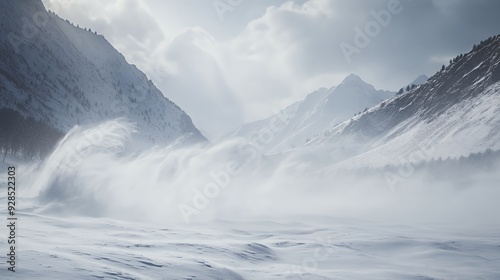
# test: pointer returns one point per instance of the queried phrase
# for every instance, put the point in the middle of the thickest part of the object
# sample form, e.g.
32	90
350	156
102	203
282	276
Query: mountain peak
352	78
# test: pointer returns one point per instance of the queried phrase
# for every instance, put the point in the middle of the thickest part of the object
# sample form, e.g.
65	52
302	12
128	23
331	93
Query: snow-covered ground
58	245
98	210
99	248
87	248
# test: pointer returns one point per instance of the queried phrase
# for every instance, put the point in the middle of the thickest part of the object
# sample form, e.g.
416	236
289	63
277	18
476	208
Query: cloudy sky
226	62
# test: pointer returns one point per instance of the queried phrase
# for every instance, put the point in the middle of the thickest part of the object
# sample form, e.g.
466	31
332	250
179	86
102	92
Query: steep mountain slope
455	113
320	110
65	75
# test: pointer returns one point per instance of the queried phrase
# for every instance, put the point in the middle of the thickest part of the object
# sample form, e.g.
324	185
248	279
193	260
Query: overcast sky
226	62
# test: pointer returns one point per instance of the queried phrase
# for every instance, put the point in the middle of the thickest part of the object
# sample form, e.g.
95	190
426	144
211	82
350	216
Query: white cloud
196	82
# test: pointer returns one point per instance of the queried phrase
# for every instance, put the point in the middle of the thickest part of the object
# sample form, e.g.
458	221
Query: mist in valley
99	172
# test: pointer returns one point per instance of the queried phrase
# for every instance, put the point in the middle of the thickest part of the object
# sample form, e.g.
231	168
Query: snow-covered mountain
65	75
454	114
322	109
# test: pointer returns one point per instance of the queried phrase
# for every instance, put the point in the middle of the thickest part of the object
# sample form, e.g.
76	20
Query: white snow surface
101	248
103	210
109	214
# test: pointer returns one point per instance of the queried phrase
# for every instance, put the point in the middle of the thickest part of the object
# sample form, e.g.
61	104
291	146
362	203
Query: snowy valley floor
99	248
62	246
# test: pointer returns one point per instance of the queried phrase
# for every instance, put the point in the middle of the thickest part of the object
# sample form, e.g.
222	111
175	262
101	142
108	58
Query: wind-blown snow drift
96	171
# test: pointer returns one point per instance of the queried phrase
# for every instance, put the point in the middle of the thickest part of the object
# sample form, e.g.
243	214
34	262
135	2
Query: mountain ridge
65	76
453	112
315	113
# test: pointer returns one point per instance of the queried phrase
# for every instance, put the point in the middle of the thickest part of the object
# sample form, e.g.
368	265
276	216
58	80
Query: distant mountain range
454	113
64	75
61	75
318	112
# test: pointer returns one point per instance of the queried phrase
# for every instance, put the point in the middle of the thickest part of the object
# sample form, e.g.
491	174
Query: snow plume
98	172
80	155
